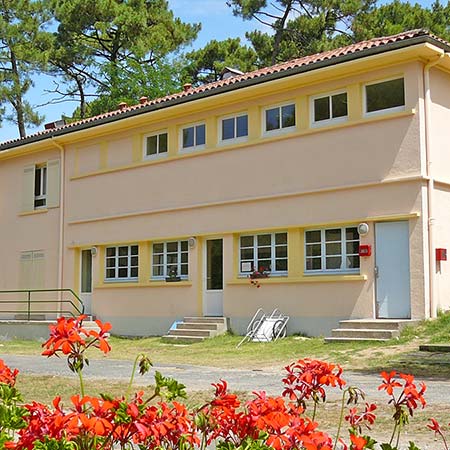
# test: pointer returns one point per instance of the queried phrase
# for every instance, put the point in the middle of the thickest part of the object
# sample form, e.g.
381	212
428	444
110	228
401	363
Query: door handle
376	272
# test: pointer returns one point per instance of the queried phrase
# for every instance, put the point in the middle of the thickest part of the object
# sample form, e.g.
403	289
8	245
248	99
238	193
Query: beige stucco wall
342	175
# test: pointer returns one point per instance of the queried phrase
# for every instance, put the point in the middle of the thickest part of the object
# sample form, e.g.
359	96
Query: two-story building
330	172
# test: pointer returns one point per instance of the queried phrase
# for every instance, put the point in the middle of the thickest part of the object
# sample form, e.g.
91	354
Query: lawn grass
397	354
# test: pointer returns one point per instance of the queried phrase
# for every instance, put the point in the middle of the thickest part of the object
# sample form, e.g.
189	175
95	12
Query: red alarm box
441	254
365	250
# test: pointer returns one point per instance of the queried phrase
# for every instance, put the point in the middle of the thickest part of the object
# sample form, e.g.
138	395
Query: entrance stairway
197	329
369	330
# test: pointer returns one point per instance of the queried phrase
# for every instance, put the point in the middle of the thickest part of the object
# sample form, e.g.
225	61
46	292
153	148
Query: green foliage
168	387
117	48
398	16
297	27
55	444
21	24
206	65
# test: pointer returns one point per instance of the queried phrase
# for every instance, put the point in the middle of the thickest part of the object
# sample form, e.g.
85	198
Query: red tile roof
281	68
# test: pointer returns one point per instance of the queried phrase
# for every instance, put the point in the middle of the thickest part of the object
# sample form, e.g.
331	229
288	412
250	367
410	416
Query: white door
86	280
392	270
213	278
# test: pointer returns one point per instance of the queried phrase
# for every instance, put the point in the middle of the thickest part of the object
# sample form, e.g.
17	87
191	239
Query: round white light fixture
94	251
363	229
192	241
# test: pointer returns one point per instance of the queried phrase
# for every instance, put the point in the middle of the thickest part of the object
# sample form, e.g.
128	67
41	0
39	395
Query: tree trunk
17	101
279	33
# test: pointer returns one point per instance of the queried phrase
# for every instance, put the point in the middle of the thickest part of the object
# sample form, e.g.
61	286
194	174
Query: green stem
133	373
398	434
314	411
393	433
341	418
80	377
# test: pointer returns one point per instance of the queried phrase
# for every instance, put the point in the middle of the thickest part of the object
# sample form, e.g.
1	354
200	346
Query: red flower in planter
358	420
7	376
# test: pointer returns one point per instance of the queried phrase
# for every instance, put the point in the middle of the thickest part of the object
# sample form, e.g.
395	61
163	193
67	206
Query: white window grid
345	254
256	261
235	139
332	119
280	129
40	186
382	111
122	263
165	259
196	146
159	153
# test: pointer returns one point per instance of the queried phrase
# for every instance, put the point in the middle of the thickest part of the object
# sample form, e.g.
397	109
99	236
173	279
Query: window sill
35	211
136	284
305	279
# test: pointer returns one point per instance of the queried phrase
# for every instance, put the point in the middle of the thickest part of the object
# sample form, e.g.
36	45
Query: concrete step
197	326
222	320
190	333
364	333
182	339
40	317
330	340
378	324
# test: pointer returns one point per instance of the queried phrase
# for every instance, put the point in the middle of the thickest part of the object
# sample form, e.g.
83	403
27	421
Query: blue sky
217	21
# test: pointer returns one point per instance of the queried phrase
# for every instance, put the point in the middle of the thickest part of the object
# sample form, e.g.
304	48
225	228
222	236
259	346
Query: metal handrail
79	309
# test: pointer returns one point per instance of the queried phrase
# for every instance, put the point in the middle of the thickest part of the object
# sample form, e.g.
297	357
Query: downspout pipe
430	182
60	280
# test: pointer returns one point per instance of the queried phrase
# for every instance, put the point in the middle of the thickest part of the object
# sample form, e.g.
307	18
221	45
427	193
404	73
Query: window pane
272	119
247	254
158	271
110	273
352	262
313	250
288	116
246	241
184	269
134	272
134	261
339	104
158	248
389	94
321	109
312	236
281	238
334	262
281	252
134	249
37	181
200	135
281	265
184	257
172	247
333	249
184	246
313	264
352	247
333	235
188	137
163	143
158	259
111	251
123	251
123	262
264	253
242	126
228	131
152	145
123	273
110	262
352	234
264	265
172	258
264	239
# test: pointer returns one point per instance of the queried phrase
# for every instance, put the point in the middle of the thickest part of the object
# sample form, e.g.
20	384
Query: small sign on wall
246	267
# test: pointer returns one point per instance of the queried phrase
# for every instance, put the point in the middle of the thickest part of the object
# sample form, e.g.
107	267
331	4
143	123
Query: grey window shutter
28	188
